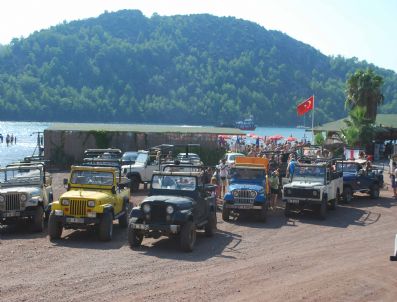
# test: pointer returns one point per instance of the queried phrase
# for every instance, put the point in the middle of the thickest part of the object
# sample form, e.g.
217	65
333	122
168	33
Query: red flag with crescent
305	106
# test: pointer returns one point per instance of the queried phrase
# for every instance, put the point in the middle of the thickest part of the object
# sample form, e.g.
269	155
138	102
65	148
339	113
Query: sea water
26	134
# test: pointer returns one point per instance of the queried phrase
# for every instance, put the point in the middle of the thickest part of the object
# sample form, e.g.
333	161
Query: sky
365	29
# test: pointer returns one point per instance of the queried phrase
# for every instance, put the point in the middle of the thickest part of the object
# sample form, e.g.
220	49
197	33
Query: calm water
27	140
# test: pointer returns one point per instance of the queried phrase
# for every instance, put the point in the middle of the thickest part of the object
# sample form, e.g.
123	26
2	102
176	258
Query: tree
360	129
364	89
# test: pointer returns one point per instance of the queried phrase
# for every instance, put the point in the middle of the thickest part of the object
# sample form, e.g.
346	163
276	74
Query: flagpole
313	122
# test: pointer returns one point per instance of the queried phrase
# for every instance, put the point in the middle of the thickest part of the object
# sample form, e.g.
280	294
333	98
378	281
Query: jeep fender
136	212
108	209
130	175
183	216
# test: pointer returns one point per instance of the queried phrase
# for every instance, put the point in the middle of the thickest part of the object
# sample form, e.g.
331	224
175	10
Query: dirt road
344	258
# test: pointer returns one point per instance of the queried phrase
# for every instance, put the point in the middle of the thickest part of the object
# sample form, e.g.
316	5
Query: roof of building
143	128
382	120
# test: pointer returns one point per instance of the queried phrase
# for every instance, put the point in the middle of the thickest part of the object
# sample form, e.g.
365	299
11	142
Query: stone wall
64	147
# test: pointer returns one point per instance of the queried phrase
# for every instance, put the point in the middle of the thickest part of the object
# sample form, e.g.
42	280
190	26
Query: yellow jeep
95	197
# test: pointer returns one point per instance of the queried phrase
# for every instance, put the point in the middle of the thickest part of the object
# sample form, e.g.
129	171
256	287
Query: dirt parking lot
344	258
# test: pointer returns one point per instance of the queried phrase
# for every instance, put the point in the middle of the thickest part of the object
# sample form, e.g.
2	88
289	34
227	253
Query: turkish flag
305	106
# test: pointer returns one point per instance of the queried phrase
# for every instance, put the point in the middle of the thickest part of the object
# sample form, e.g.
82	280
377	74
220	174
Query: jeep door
202	203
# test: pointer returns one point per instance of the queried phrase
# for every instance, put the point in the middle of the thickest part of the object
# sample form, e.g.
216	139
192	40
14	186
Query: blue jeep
246	190
358	179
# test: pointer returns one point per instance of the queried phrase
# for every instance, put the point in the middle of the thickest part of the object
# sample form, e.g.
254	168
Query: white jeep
313	186
25	193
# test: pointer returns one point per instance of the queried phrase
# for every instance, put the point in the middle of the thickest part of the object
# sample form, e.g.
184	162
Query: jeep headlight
235	193
315	193
289	191
2	199
169	210
146	208
91	203
65	202
23	197
253	194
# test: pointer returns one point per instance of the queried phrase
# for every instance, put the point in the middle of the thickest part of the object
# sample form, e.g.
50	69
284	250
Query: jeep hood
178	201
86	194
303	185
30	190
245	186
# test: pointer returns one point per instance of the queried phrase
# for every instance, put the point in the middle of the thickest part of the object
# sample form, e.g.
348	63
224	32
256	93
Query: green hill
196	69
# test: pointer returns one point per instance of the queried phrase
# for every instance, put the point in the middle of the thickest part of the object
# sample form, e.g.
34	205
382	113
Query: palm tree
360	130
364	89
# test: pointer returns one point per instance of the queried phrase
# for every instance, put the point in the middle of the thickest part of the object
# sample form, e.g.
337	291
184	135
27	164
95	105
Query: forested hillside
196	69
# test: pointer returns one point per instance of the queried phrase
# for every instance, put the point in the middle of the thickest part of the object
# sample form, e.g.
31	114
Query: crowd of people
9	139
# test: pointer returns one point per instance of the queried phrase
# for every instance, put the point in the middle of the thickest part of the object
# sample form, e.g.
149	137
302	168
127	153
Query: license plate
294	201
75	220
13	214
242	206
141	226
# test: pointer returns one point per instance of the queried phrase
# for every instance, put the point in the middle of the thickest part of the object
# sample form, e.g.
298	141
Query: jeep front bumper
163	228
76	221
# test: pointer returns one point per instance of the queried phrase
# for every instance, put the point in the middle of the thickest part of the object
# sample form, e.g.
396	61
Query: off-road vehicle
179	203
95	197
356	178
314	186
247	188
25	193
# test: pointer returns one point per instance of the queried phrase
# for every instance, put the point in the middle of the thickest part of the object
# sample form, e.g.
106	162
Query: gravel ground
344	258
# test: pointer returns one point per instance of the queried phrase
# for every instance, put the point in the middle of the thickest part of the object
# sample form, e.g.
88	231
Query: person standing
291	166
223	174
274	183
393	176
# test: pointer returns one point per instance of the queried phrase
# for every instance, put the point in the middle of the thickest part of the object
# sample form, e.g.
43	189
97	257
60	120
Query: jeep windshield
96	178
174	182
347	167
20	176
309	174
141	158
247	174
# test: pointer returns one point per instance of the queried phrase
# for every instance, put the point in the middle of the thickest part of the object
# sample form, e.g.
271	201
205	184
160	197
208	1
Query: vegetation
360	129
197	69
364	89
319	139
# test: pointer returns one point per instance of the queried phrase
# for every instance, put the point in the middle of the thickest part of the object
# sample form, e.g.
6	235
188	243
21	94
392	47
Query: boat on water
303	127
246	124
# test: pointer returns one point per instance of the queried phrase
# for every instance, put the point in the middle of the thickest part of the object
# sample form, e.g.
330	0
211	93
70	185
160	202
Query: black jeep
179	203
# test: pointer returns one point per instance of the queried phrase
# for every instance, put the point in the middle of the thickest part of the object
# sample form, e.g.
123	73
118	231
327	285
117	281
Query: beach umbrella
276	137
291	139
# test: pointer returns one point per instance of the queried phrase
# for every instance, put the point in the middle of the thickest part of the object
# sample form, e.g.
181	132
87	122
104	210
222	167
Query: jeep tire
135	237
188	236
374	191
105	227
210	227
263	213
38	220
347	194
54	228
322	209
225	213
135	183
287	210
123	219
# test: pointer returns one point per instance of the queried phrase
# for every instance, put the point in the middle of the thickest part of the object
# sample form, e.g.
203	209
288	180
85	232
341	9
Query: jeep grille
78	207
158	213
12	201
301	193
244	196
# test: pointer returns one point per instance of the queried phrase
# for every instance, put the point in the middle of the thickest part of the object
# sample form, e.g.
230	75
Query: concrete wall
63	148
